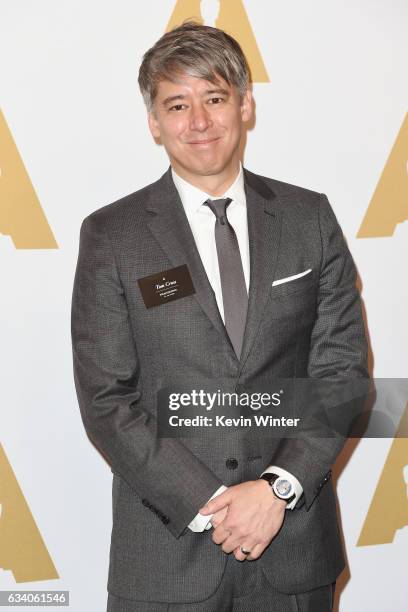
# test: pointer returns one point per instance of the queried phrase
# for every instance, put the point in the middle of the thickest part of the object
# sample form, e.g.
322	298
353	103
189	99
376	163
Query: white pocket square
290	278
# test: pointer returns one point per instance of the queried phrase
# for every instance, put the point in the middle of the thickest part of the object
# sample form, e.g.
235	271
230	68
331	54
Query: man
264	288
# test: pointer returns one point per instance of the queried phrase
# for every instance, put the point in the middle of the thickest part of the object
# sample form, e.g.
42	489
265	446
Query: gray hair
197	50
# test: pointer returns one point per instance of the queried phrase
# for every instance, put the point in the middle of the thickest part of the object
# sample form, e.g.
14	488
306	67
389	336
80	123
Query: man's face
200	125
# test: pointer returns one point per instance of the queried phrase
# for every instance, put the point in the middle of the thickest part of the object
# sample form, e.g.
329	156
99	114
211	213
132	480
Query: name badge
166	286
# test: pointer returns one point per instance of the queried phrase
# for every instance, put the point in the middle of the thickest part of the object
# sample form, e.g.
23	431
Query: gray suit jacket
123	353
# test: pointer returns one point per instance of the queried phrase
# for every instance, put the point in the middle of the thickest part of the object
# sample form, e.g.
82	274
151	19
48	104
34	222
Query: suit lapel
264	230
171	229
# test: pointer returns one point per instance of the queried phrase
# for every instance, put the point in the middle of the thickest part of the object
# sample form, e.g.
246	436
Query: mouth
205	141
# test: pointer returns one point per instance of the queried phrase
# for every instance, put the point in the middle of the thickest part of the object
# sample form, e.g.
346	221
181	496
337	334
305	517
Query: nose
200	119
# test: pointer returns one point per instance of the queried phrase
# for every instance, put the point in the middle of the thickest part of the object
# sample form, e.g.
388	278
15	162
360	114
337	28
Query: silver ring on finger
244	551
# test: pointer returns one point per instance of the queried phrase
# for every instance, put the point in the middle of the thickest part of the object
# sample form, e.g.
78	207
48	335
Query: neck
213	184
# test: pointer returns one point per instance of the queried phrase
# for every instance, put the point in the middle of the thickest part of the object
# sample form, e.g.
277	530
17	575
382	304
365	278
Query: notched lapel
264	231
171	229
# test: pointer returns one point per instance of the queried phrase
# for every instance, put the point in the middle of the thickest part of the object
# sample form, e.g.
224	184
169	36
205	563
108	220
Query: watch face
283	487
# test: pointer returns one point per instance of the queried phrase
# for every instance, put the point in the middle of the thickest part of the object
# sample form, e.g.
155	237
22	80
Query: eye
177	107
216	100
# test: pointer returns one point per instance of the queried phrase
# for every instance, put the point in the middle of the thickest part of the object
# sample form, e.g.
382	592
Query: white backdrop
327	120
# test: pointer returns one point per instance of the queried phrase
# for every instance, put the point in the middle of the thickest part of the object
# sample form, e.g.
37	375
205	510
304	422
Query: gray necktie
234	292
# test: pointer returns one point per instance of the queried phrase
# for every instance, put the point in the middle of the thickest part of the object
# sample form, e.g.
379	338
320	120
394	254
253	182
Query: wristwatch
281	486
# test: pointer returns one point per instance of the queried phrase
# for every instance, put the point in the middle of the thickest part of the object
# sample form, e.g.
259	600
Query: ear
153	124
246	106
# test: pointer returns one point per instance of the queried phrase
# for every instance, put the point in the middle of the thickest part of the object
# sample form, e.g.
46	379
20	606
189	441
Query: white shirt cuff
203	521
297	487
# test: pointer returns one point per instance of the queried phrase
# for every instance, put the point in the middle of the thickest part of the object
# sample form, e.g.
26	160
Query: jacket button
231	463
165	520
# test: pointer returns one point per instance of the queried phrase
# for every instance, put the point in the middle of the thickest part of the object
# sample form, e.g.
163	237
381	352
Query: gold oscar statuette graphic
21	215
22	549
389	204
388	512
228	15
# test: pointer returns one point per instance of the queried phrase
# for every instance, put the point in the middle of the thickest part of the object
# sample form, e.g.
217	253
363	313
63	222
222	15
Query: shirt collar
192	197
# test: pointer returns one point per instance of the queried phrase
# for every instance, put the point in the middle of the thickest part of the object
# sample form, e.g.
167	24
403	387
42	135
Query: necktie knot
219	208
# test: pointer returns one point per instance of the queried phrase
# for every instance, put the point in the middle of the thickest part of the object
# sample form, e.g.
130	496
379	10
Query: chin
209	168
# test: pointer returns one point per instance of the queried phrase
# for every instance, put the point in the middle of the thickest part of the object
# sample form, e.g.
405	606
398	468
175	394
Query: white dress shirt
202	223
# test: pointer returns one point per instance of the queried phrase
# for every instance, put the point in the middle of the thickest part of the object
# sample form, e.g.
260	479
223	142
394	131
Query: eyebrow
208	92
